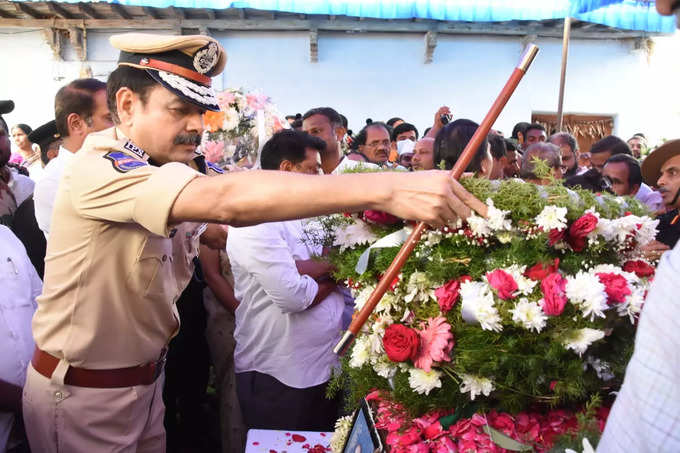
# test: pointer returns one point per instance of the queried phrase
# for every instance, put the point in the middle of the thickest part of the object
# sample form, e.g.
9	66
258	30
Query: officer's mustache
188	139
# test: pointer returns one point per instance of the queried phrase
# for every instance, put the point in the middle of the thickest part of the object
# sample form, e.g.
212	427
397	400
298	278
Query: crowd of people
112	231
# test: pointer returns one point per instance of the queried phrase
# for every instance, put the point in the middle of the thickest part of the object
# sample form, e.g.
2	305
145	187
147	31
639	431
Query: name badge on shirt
135	149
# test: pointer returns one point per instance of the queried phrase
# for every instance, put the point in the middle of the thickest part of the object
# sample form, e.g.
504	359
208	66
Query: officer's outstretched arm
247	198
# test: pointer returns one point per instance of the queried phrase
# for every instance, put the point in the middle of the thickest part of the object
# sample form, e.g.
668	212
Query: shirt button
58	396
165	258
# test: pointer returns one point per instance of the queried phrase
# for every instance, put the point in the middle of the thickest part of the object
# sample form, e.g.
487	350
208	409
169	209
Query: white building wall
383	75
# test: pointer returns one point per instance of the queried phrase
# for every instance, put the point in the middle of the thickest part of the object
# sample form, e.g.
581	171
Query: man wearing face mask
404	137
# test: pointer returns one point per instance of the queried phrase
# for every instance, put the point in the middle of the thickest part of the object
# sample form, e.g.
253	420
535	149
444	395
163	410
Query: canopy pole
563	73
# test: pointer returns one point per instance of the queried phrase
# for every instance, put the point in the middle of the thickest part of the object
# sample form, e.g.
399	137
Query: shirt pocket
153	274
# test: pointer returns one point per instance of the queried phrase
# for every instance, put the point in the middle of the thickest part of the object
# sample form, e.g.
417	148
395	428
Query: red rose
447	295
556	236
640	268
554	297
400	343
579	231
380	217
615	286
541	270
503	283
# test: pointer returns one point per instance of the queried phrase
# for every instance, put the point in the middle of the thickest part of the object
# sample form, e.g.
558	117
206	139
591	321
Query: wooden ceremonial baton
461	164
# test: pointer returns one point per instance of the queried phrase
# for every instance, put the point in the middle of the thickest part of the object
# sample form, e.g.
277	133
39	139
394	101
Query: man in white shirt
20	286
326	124
290	315
79	108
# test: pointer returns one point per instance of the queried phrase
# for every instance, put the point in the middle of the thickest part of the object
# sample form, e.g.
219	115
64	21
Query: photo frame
363	436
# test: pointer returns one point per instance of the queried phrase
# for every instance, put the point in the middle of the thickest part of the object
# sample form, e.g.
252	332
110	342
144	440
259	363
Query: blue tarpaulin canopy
638	15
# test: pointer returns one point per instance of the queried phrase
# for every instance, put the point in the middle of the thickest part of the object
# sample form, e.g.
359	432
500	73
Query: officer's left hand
214	237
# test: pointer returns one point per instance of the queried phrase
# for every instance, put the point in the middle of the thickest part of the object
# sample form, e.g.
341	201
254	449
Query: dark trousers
186	375
267	403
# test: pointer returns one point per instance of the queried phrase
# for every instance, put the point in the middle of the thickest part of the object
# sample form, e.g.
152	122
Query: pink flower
225	99
443	445
256	101
408	437
436	342
213	151
616	287
554	296
503	283
447	295
502	422
528	427
380	217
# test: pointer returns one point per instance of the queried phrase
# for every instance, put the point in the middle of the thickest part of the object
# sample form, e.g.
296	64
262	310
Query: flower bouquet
234	133
497	327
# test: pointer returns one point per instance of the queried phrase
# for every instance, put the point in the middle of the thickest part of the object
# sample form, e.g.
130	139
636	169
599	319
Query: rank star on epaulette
122	162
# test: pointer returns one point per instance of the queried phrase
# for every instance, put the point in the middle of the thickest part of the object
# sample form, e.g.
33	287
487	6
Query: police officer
125	229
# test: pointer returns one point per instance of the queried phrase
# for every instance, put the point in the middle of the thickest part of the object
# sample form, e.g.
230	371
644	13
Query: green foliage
527	369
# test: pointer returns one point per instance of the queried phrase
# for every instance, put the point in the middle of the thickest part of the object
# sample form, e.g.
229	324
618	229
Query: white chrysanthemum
504	237
647	231
384	367
476	385
632	306
478	306
529	315
422	382
587	292
357	232
380	324
606	228
343	427
375	347
231	119
361	298
432	238
525	285
552	218
387	302
579	340
360	352
496	217
419	288
478	225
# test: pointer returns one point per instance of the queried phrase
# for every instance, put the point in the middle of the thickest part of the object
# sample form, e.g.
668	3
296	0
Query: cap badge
206	58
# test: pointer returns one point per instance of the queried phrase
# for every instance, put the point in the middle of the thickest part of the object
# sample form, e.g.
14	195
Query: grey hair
545	151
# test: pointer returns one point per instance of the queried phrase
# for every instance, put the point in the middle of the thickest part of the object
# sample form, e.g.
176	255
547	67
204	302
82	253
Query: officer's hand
654	250
431	196
214	237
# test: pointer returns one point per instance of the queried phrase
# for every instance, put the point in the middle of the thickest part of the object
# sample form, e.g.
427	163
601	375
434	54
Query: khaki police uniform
114	270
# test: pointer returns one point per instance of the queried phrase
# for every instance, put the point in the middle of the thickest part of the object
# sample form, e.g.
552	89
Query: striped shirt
646	414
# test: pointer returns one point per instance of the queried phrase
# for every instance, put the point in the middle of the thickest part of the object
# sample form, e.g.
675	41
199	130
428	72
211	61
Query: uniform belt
147	374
